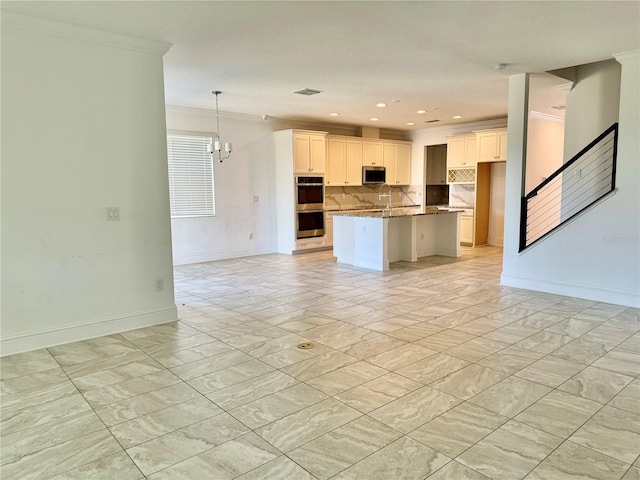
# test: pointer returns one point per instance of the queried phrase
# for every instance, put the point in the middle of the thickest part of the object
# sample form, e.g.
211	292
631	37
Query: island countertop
396	212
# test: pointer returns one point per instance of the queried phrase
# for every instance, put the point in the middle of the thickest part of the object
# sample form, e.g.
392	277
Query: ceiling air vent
307	91
558	107
431	121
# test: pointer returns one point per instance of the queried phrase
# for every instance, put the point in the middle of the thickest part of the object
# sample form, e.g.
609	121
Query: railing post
523	224
615	156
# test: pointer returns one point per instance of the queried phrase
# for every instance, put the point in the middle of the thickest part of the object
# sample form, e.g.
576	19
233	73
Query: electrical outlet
256	199
251	236
159	285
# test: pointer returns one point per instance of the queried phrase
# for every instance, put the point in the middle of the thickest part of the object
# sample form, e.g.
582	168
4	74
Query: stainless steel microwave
373	175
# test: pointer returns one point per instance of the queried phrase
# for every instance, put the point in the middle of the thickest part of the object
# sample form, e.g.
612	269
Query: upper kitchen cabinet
344	162
492	145
397	161
436	173
309	152
461	151
372	152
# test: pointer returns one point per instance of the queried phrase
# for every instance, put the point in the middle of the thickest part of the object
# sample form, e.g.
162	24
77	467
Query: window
191	190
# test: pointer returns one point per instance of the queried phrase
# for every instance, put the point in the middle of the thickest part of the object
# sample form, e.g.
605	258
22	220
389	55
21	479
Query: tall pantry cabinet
296	152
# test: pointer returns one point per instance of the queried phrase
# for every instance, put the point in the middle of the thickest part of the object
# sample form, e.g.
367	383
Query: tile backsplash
462	195
337	198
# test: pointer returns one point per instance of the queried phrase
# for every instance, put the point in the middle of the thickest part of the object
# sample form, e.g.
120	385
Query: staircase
581	182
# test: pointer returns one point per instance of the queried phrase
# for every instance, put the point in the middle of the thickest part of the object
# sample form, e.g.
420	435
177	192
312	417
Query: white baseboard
223	254
627	298
448	252
427	251
24	342
496	241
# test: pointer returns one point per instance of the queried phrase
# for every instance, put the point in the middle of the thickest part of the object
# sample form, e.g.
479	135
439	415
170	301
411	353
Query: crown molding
336	128
205	112
55	28
546	116
627	57
281	123
460	128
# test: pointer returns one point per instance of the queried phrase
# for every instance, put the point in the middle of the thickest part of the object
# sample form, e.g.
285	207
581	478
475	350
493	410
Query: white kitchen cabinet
461	151
372	152
354	163
344	162
328	229
492	145
397	161
309	152
466	229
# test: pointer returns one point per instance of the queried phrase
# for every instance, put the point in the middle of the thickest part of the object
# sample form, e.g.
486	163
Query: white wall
545	147
247	173
83	129
592	104
595	256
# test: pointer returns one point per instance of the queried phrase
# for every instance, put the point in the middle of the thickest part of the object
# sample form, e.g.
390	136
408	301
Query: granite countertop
362	208
397	212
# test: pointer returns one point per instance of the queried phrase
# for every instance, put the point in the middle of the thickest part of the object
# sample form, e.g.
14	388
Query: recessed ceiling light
410	123
381	105
374	119
457	117
307	91
421	111
334	114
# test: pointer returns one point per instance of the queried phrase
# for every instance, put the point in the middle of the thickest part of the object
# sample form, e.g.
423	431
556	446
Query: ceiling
417	55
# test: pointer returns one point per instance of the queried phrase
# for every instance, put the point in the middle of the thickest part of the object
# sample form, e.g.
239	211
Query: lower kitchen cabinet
328	229
466	229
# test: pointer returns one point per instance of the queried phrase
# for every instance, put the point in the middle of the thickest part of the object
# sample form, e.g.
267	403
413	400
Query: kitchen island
374	238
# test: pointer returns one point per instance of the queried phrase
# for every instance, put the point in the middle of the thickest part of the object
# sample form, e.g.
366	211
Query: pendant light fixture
217	144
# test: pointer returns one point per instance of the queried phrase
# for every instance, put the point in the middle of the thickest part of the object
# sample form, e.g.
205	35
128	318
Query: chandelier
216	148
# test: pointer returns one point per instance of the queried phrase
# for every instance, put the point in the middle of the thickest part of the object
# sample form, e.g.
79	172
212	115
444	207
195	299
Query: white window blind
191	189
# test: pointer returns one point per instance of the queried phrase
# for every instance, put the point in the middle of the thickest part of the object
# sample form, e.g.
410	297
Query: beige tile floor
429	370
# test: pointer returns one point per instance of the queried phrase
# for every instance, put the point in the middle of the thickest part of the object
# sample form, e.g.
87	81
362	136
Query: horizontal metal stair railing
574	187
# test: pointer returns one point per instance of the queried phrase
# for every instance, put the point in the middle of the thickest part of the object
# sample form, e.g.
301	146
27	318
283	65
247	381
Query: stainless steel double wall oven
309	206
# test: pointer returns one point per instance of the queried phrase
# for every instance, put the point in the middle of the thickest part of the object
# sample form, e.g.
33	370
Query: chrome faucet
387	195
